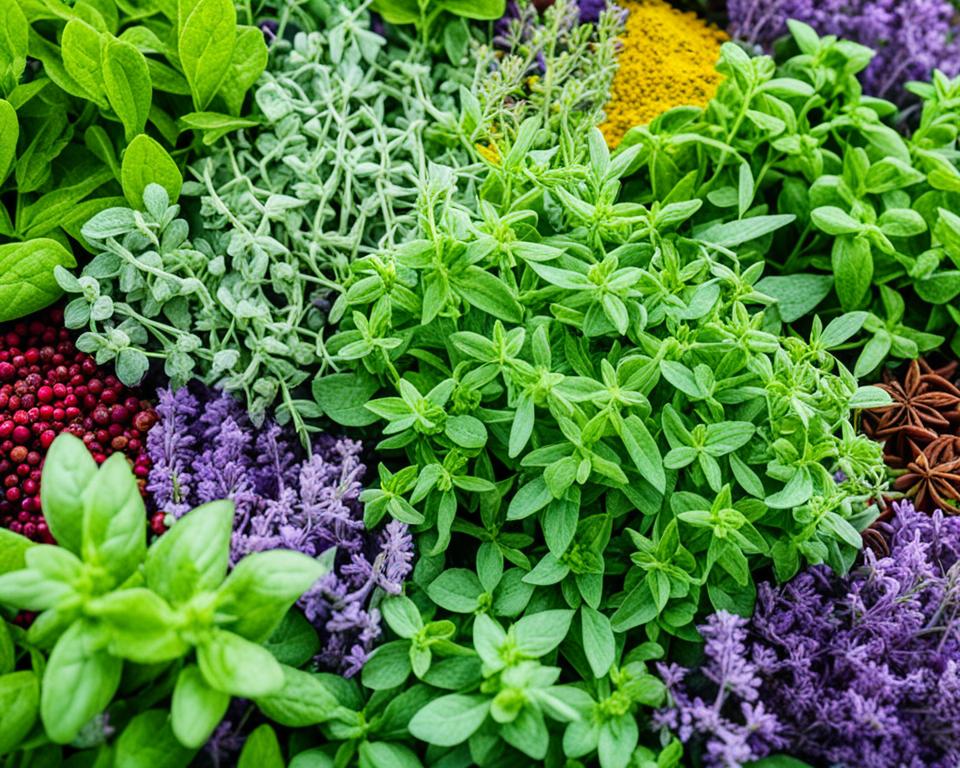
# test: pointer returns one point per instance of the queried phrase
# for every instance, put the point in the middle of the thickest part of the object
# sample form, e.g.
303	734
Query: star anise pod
932	478
925	405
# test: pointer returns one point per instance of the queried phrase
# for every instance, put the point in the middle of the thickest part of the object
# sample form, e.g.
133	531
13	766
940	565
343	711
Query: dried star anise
925	403
932	478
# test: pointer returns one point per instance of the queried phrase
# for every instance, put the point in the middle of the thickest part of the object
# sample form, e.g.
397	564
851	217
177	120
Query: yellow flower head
668	60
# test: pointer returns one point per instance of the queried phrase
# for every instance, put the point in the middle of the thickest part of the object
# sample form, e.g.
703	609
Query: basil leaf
68	471
126	81
19	707
450	720
206	41
26	276
264	586
145	162
148	741
9	133
193	556
114	533
196	709
236	666
78	683
261	750
304	699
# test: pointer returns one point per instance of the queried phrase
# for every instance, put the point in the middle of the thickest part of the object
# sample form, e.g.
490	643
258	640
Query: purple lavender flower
911	37
204	447
861	670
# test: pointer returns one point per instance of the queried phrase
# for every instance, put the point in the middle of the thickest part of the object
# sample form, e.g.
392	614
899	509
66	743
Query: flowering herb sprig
860	670
204	447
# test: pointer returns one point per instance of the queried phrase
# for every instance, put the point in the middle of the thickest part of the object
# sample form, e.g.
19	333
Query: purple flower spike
861	670
204	447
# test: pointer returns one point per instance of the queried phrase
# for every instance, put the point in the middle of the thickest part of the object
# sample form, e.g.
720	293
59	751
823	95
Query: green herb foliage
107	74
119	619
873	225
329	176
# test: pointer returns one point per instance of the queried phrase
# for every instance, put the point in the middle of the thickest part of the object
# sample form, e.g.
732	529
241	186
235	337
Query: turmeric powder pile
668	60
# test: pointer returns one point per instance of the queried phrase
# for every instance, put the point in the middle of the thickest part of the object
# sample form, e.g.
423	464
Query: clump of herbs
92	97
873	227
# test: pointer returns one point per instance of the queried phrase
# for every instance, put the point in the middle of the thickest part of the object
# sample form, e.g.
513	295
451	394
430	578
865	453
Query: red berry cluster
47	387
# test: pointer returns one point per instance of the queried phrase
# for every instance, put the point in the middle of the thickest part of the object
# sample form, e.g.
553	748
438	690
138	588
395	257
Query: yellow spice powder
668	60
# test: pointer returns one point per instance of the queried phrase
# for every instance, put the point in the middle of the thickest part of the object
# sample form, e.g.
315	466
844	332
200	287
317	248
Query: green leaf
342	397
852	264
146	162
249	59
261	750
539	633
549	570
214	125
449	720
402	615
193	556
382	754
735	233
484	291
78	683
637	608
796	295
644	452
295	641
842	328
82	48
143	627
480	10
618	739
14	31
9	134
466	431
531	498
19	707
196	709
456	589
114	533
599	644
236	666
874	352
264	586
148	742
206	43
27	283
835	221
68	471
12	549
304	699
388	666
126	81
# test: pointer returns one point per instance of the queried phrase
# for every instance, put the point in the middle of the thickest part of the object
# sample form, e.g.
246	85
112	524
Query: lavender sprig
204	447
860	671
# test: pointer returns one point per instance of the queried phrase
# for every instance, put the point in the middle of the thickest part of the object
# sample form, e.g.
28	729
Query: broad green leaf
450	720
146	162
27	283
78	683
206	42
126	81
